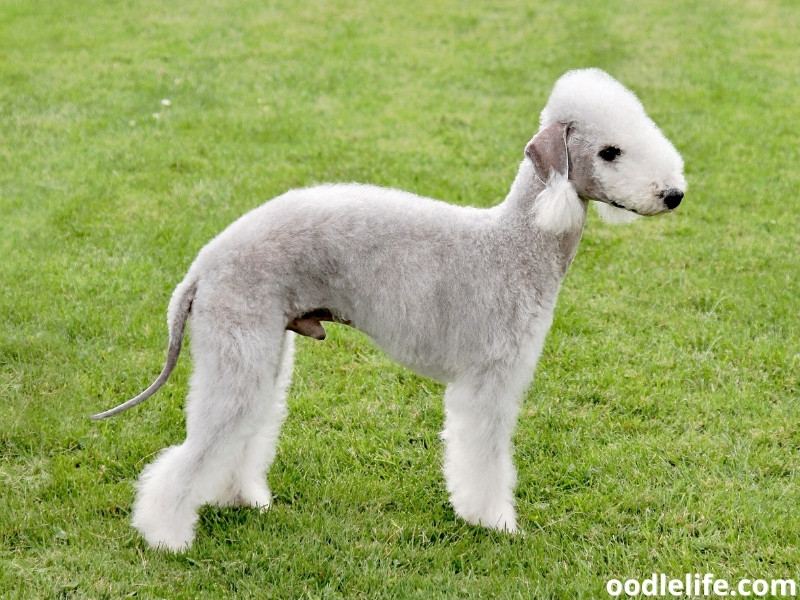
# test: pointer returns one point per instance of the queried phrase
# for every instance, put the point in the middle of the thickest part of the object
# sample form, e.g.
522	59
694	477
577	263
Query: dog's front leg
478	468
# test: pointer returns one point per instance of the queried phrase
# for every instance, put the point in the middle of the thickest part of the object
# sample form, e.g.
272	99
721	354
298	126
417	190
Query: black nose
672	198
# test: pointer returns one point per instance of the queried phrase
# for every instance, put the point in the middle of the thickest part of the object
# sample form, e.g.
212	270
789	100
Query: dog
463	295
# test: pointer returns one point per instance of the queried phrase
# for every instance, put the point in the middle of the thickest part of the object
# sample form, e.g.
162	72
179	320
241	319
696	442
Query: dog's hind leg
248	486
231	390
478	465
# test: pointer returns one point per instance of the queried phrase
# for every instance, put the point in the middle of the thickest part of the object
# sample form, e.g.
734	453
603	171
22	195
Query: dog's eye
609	153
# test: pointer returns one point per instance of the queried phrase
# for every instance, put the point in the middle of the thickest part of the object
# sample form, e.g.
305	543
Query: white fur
614	215
558	208
464	295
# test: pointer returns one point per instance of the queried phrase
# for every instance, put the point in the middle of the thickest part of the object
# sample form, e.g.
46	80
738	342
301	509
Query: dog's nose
672	198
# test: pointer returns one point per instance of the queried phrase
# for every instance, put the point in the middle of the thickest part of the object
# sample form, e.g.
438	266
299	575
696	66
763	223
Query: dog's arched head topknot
592	97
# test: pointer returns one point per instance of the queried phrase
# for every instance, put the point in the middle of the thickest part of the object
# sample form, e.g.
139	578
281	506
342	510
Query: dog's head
595	132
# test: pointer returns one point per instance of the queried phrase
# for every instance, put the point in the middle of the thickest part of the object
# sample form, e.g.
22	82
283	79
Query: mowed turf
661	434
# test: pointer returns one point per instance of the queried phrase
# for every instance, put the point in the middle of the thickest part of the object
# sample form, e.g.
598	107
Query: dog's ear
548	150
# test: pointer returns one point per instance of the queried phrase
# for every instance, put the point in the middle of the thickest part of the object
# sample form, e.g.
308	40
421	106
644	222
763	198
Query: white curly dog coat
463	295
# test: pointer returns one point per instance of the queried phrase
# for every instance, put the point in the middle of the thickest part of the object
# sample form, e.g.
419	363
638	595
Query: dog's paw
176	544
505	520
501	517
162	524
255	494
174	537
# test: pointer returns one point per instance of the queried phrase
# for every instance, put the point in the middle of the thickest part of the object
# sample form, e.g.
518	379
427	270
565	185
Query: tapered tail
178	313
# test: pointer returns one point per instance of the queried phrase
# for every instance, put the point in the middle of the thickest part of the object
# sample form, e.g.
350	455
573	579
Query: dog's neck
521	203
525	187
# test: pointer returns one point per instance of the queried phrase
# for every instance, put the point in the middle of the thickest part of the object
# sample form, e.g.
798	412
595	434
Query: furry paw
255	495
501	518
175	534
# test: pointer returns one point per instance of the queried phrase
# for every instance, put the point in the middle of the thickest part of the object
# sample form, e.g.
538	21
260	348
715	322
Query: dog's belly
423	357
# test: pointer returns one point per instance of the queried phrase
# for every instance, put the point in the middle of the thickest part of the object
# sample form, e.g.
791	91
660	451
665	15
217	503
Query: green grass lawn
662	433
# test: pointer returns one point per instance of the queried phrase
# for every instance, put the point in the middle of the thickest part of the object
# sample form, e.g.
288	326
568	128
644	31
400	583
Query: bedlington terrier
463	295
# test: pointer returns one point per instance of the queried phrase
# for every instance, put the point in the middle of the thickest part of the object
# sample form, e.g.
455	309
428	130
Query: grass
662	431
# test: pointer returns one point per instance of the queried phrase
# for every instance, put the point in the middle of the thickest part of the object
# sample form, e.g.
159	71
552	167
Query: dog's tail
179	307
